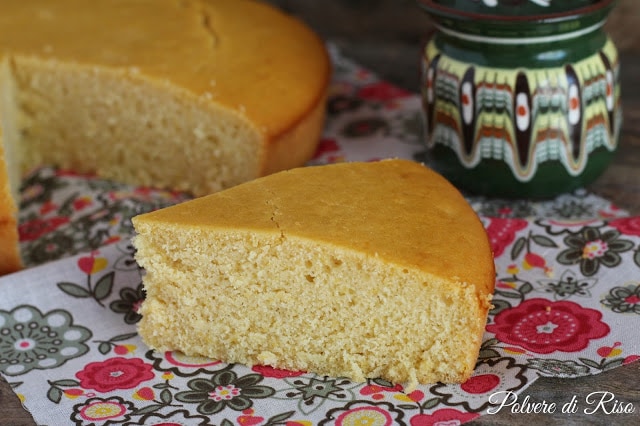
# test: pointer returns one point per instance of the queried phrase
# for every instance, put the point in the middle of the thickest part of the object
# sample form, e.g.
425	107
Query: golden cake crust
361	215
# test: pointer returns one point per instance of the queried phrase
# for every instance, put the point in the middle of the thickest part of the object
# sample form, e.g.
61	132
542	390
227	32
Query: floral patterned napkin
567	300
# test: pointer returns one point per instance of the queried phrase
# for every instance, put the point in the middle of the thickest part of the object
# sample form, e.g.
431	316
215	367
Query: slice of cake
356	269
191	95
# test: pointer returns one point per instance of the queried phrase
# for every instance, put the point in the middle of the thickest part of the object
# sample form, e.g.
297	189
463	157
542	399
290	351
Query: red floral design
144	394
502	232
48	207
249	418
377	391
326	146
610	351
115	373
34	229
277	373
534	260
630	359
444	416
81	203
627	225
92	264
543	326
482	383
73	173
32	192
382	92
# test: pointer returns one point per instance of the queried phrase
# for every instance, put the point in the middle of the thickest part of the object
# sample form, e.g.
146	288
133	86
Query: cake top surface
398	210
246	55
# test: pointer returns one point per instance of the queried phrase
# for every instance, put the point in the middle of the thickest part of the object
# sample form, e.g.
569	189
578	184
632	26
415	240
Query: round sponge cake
192	95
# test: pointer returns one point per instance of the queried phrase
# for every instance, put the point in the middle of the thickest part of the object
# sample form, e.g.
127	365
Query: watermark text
599	402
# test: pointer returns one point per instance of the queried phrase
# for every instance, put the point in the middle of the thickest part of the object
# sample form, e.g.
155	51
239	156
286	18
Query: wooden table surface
620	184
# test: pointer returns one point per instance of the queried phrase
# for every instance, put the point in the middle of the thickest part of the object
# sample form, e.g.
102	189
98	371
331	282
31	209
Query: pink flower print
623	299
326	146
359	412
632	300
543	326
92	264
32	192
444	417
81	203
248	418
365	415
481	383
630	359
382	92
36	228
73	173
502	232
268	371
376	391
144	394
226	392
610	351
490	376
103	411
595	248
48	207
627	225
534	260
114	373
591	248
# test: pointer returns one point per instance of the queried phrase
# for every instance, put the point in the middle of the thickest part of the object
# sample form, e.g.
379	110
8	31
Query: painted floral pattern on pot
523	117
520	99
78	308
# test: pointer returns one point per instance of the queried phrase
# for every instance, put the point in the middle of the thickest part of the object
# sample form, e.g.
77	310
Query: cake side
293	303
286	152
10	259
282	72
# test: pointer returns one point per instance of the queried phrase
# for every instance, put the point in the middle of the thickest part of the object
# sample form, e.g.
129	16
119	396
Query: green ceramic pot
520	105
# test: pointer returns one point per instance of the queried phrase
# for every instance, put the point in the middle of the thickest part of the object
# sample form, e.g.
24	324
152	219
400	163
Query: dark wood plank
11	411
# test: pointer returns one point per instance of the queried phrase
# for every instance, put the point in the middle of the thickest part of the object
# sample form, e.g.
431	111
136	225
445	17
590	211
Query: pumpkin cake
191	95
361	270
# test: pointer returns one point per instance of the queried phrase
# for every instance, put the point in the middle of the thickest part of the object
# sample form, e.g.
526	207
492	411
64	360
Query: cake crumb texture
360	270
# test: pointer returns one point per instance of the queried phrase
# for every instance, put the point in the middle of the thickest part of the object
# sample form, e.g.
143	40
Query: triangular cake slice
361	270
